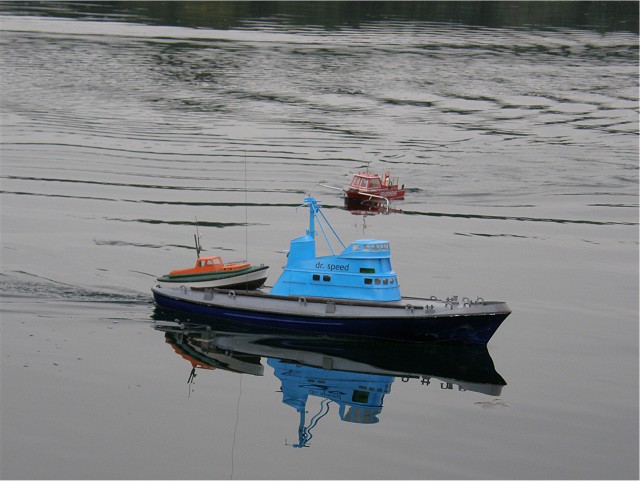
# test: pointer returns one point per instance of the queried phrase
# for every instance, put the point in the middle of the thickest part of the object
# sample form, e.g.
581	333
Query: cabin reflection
358	395
353	375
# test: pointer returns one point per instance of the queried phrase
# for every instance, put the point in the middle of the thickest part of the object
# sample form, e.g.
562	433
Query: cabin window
368	280
385	281
360	396
374	183
392	280
326	278
367	270
377	282
316	277
355	182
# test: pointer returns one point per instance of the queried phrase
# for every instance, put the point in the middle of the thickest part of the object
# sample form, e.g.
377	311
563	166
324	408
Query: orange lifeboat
210	272
210	264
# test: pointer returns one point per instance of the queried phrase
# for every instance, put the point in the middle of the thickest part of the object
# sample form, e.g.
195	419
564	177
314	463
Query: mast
313	209
196	237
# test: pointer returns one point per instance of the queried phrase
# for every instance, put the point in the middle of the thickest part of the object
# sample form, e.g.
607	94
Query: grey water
514	127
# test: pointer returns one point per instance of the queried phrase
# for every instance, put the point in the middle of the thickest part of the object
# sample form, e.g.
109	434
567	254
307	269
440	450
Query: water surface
518	144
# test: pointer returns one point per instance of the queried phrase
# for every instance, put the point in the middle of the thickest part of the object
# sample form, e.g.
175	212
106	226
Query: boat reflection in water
352	373
369	207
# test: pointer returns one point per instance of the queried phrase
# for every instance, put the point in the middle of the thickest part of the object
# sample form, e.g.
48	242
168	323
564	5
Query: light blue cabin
362	271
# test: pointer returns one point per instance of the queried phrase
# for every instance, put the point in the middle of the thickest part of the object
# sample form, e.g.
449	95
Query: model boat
210	272
355	292
370	186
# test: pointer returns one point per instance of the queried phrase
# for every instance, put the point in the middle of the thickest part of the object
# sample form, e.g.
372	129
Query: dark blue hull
468	329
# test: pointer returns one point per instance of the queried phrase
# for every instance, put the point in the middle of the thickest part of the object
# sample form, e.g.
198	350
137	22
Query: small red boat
368	186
